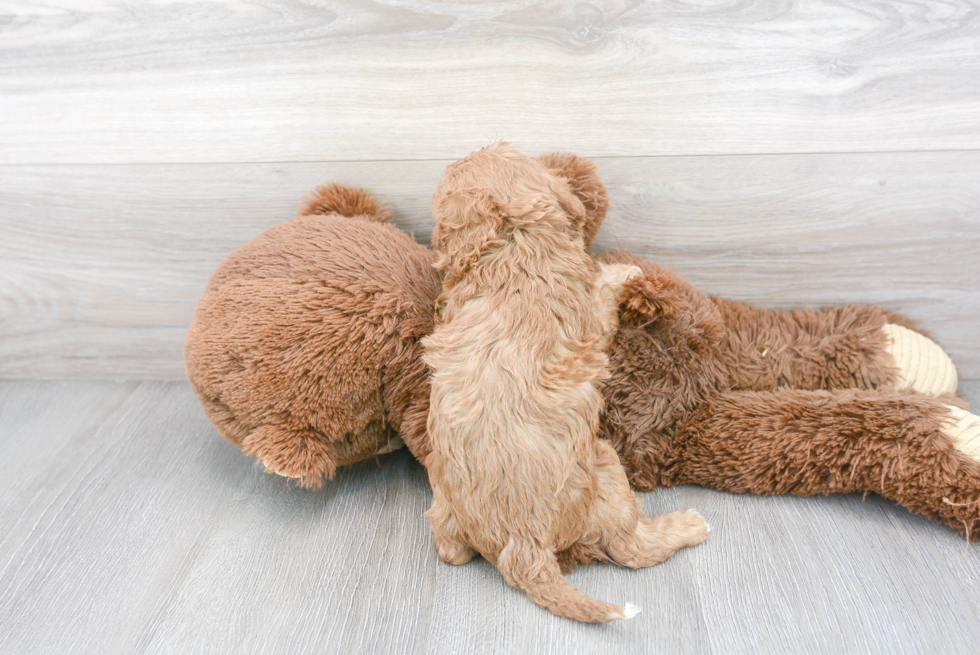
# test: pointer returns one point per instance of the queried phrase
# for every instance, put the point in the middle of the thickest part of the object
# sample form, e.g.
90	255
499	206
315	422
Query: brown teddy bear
305	353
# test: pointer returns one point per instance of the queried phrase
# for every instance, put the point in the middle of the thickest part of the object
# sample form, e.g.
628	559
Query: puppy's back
514	357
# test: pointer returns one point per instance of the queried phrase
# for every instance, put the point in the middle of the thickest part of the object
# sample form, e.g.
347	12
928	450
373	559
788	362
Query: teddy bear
305	353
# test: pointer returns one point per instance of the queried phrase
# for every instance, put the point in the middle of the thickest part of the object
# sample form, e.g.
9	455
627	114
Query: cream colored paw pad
964	431
923	366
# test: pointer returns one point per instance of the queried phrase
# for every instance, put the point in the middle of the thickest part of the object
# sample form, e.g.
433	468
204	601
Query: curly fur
517	472
582	180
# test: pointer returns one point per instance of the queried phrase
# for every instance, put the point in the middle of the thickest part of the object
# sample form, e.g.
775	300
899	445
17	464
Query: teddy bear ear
335	198
584	182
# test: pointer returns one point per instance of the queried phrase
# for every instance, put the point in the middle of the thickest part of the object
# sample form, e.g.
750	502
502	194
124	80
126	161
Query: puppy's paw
609	291
649	298
615	276
452	552
706	524
689	526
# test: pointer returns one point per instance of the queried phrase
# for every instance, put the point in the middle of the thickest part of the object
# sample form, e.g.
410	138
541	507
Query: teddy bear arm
920	451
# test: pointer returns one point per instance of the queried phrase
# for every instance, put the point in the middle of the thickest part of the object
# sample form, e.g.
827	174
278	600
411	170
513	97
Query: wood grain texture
124	81
127	525
101	266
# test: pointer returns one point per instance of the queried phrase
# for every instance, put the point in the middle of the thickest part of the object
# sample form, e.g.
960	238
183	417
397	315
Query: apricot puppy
517	471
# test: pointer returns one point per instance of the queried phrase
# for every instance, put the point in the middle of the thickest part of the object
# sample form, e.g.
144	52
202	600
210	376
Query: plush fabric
305	347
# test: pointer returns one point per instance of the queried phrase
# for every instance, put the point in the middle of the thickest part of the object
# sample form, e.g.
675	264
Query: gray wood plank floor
127	525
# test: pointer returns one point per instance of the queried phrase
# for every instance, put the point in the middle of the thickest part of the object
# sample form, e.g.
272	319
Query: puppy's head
585	183
489	194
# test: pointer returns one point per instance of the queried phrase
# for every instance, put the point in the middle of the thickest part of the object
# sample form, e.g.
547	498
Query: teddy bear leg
303	456
921	364
920	451
855	346
627	535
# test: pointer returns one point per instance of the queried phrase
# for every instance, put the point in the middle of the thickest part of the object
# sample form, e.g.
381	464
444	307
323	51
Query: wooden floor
127	525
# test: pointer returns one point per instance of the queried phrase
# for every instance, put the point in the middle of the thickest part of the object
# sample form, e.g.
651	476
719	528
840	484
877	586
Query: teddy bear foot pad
923	365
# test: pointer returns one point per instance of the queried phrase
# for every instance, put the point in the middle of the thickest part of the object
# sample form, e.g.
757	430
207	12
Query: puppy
517	471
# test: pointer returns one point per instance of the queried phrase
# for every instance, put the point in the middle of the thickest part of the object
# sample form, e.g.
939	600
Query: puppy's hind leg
657	538
445	534
629	536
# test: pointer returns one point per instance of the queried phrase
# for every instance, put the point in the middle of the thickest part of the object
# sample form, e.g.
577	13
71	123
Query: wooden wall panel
100	266
122	81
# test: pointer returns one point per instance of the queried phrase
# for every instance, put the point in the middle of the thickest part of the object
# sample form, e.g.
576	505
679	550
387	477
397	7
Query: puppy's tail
535	571
334	198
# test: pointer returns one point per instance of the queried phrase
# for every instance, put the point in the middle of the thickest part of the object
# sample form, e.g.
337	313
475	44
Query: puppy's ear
467	221
571	206
583	181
